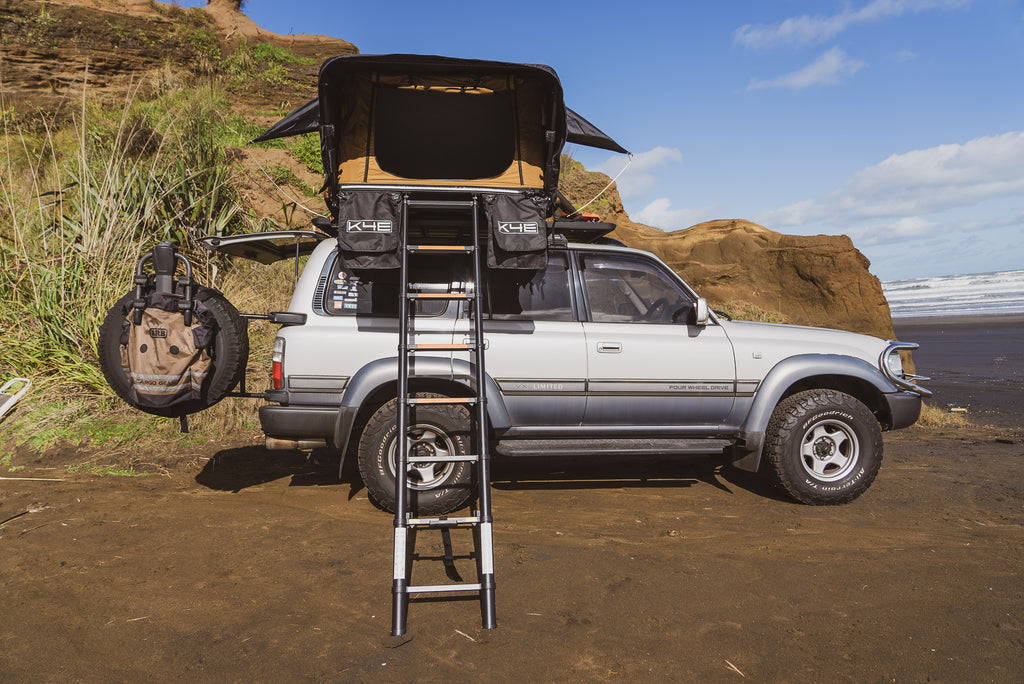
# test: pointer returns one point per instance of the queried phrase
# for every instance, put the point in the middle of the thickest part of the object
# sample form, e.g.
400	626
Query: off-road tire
433	490
229	354
823	447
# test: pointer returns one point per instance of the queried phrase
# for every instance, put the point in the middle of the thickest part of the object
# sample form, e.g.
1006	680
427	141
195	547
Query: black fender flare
381	372
784	375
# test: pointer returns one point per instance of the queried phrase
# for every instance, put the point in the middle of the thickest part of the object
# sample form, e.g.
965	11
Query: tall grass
79	206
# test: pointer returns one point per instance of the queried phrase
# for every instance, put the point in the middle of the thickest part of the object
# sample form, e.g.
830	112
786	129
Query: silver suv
606	351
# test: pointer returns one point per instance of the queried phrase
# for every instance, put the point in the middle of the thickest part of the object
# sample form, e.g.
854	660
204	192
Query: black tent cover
306	119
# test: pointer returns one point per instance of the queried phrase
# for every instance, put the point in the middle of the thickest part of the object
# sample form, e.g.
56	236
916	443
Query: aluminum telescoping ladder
481	520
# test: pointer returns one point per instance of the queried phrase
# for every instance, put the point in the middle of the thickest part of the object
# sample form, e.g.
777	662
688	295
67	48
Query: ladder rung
440	204
427	588
443	459
440	347
440	249
442	522
438	295
441	400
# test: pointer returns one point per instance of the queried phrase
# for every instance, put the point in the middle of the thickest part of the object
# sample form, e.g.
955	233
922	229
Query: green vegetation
106	470
78	206
261	63
306	148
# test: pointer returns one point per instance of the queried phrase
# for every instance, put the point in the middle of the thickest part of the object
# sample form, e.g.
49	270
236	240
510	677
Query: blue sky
897	122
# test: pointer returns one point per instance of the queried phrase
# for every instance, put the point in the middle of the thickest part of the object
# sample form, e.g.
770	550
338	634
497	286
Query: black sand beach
974	362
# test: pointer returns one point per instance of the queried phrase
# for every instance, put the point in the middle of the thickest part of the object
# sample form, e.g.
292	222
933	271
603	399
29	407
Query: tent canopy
413	120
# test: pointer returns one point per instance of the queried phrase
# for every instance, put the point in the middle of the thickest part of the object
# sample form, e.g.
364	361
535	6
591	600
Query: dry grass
746	311
935	417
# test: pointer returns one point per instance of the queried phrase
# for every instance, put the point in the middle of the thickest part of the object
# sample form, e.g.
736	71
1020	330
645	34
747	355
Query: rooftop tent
415	120
396	131
438	121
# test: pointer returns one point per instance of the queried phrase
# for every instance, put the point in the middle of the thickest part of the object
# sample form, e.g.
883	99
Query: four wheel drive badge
368	226
518	227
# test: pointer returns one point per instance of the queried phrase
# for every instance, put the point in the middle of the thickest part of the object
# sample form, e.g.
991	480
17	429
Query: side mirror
701	312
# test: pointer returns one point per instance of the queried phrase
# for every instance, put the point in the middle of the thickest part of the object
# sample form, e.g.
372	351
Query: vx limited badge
518	227
368	226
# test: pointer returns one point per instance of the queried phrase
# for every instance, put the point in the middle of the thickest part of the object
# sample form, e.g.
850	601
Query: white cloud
808	30
918	183
830	68
660	214
640	175
895	231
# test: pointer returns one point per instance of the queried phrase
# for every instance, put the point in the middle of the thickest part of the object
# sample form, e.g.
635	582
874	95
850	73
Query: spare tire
229	354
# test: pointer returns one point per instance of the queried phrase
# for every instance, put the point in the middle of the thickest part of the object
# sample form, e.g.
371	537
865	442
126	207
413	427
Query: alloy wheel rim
425	441
829	451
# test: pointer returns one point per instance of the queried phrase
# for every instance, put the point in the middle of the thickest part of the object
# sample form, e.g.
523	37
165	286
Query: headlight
895	363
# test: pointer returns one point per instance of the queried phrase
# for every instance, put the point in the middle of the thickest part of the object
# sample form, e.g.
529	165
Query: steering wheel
656	308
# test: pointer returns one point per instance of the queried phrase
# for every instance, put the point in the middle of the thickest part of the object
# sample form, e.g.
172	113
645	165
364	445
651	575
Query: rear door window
512	295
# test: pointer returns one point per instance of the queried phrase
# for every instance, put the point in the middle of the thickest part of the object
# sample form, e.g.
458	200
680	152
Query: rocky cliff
48	50
819	280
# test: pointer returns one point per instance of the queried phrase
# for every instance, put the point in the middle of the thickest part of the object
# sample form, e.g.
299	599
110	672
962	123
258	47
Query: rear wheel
823	447
435	487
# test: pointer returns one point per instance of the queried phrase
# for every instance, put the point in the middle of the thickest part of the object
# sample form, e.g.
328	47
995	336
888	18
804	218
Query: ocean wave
1000	292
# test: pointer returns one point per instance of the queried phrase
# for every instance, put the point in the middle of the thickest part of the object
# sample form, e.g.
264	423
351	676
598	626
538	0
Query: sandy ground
256	566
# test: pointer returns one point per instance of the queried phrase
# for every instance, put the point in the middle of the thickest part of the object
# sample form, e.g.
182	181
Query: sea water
957	295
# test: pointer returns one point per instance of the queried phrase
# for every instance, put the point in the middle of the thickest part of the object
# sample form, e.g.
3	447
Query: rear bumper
904	409
299	422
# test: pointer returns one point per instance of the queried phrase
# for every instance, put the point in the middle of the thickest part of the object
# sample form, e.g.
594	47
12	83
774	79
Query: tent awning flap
305	119
582	132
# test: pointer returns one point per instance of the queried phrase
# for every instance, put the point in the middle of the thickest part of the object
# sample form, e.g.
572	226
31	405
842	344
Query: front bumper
904	409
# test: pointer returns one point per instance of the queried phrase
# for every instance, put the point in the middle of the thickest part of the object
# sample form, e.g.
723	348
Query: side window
529	296
626	289
347	293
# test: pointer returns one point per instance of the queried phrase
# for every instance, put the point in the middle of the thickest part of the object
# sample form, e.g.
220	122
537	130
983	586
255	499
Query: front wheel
823	447
438	430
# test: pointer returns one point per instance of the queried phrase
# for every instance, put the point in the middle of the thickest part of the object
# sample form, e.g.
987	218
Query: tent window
429	134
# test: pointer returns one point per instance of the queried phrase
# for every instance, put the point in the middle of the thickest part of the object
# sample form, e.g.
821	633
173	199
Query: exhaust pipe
276	444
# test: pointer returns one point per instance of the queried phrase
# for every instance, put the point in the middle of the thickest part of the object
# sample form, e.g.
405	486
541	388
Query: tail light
277	358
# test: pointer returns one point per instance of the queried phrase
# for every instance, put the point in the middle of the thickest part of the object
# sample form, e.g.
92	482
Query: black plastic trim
904	409
298	422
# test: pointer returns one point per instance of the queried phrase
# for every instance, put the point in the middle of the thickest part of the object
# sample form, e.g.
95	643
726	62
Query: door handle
609	347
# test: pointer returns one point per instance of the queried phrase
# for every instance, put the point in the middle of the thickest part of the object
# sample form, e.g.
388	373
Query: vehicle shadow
232	470
647	471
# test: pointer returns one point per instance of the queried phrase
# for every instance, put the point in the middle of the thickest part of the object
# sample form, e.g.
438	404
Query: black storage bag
368	228
517	232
